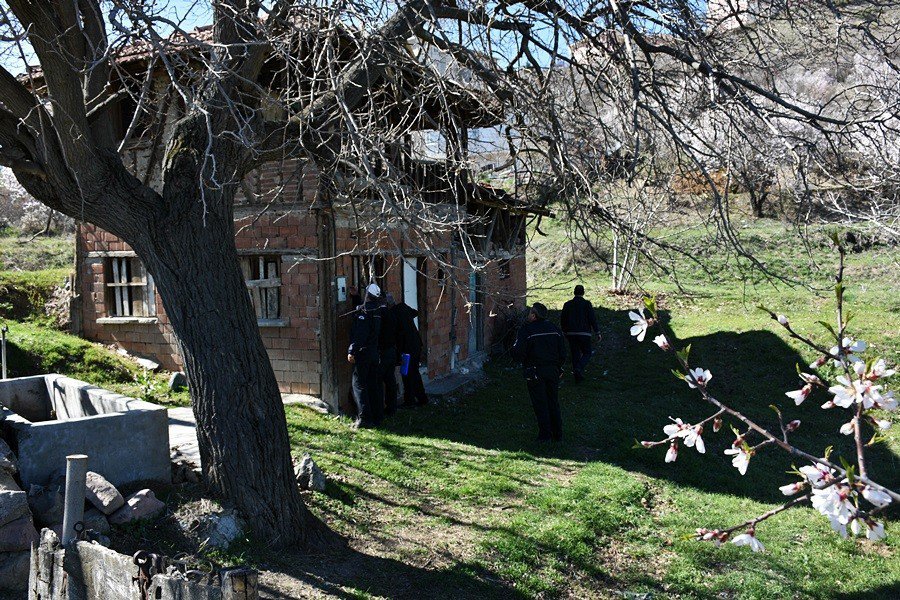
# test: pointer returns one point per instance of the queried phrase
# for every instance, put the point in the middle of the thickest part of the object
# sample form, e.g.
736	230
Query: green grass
459	496
22	253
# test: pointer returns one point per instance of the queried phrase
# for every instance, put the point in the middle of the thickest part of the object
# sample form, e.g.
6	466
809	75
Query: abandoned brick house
300	254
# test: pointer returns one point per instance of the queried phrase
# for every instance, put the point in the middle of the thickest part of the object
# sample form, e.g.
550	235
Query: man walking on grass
579	323
541	349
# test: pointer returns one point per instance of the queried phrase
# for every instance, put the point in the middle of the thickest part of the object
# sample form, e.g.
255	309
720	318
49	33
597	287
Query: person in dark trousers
389	353
363	354
410	342
579	324
542	350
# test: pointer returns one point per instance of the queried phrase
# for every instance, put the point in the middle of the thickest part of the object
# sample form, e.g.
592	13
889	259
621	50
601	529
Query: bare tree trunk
241	425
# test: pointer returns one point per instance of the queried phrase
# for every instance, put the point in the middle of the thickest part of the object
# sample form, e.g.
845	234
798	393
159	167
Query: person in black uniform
363	354
388	353
410	342
579	324
542	350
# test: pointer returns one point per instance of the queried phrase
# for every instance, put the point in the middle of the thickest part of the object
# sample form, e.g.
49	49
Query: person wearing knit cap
541	348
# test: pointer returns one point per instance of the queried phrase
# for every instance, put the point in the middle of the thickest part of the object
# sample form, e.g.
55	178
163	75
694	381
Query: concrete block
126	439
18	535
13	505
14	568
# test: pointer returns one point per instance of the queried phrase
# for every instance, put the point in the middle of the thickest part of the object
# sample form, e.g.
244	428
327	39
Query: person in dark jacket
542	350
389	353
579	324
410	342
363	354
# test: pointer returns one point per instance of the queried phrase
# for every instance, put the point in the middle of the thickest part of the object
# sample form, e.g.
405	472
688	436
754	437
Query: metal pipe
76	476
3	331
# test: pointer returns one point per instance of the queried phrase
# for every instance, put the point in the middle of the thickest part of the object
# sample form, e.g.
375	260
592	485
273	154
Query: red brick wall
294	348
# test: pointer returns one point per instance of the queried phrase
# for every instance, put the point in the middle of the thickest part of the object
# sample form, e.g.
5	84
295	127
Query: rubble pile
23	513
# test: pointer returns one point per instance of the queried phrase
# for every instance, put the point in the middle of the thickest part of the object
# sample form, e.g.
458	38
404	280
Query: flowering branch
834	490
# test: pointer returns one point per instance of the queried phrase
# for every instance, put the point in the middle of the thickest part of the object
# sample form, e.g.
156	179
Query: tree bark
241	425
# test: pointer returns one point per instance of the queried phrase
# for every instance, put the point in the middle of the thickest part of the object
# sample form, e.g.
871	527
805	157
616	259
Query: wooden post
240	584
76	475
327	310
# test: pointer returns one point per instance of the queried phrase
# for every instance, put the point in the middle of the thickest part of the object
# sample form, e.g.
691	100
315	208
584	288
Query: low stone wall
46	418
89	571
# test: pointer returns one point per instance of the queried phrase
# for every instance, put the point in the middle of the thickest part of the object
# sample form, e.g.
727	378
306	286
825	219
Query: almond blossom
848	428
698	377
800	395
848	393
741	458
816	473
835	502
792	488
749	539
641	323
880	370
672	454
783	320
874	529
876	497
662	342
848	350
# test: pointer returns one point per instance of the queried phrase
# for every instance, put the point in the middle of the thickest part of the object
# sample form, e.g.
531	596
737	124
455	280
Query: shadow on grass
629	395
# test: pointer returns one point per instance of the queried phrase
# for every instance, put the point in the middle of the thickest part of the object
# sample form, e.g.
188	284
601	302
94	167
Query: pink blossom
783	320
793	425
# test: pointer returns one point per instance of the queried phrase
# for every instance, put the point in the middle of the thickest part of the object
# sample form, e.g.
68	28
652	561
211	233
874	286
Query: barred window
263	277
130	290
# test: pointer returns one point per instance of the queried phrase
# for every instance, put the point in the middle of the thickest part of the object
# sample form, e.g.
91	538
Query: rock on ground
8	461
140	505
13	505
220	529
102	494
177	381
95	520
309	475
14	568
18	535
47	504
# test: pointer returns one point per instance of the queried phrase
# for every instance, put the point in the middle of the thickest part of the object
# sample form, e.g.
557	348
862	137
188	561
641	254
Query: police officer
579	323
541	348
363	354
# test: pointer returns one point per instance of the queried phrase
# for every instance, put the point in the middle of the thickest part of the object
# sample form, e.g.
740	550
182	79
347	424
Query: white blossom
698	377
792	488
848	428
672	454
740	458
875	496
662	342
748	539
798	396
641	323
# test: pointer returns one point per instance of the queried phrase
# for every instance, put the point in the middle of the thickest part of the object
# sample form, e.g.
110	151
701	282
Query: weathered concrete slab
125	438
454	384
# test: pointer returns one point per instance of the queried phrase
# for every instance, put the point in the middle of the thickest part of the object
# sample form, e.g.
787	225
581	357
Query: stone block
102	494
8	460
95	520
14	568
13	505
18	535
7	482
140	505
47	504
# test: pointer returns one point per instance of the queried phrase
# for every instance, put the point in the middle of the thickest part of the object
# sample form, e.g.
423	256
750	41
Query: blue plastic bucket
404	364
